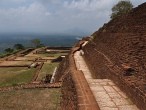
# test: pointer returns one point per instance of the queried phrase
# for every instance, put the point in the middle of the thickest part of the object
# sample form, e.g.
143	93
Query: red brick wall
76	94
106	54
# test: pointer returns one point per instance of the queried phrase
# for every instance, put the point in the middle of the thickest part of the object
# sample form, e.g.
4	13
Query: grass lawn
47	68
43	55
55	55
16	75
30	99
50	55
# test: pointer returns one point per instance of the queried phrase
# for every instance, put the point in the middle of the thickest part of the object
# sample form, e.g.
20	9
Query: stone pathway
107	94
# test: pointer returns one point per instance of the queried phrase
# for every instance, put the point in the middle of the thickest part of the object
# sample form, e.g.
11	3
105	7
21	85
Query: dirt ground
30	99
25	58
15	63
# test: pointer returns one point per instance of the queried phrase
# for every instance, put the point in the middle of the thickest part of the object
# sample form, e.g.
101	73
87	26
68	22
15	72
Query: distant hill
8	40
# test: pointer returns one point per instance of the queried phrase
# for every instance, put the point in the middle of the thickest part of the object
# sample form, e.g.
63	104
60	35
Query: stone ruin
116	51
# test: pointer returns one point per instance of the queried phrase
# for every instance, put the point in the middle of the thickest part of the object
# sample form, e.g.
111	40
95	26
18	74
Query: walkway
107	94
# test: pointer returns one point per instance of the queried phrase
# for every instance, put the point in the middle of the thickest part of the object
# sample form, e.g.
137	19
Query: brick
116	88
97	89
114	95
123	95
122	101
82	107
108	108
106	103
109	88
128	107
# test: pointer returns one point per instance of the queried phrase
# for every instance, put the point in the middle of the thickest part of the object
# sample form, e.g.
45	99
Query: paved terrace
106	93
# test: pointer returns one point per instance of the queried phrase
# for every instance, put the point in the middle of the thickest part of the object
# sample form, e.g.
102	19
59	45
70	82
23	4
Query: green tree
36	42
122	7
18	46
9	50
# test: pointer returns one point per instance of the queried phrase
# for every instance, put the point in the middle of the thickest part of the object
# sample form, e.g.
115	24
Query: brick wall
69	96
105	56
62	69
76	94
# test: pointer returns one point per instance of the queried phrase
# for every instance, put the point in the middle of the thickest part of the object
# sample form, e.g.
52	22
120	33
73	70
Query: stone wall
62	69
76	94
117	51
68	90
69	95
109	54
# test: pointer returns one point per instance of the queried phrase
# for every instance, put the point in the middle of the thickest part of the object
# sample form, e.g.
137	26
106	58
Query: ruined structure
117	51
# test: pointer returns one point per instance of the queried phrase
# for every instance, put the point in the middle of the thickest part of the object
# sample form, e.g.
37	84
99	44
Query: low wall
62	69
76	93
30	86
68	89
37	72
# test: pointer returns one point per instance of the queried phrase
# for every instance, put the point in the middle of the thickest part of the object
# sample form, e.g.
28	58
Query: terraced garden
22	84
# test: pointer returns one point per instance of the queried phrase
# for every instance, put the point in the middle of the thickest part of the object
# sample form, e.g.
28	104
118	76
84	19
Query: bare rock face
118	51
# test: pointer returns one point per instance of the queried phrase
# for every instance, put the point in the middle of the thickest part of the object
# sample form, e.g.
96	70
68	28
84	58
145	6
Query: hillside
115	52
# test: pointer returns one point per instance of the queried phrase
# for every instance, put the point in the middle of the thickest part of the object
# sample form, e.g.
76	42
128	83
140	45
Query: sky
55	16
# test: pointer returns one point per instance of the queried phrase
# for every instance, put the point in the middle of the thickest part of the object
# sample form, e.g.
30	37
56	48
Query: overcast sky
55	16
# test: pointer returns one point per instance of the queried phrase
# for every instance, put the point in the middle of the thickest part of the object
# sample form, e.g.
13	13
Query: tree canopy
36	42
9	50
122	7
18	46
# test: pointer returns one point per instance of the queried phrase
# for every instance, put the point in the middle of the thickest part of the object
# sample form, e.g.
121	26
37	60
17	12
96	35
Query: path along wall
120	57
76	94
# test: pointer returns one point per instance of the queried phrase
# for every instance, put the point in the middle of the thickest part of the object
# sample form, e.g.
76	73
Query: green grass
57	54
47	68
15	75
4	54
30	99
43	55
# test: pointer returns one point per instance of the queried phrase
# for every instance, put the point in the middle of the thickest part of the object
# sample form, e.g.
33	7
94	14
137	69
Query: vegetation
122	7
55	55
9	50
47	68
36	43
15	75
19	47
43	99
30	99
43	55
2	55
